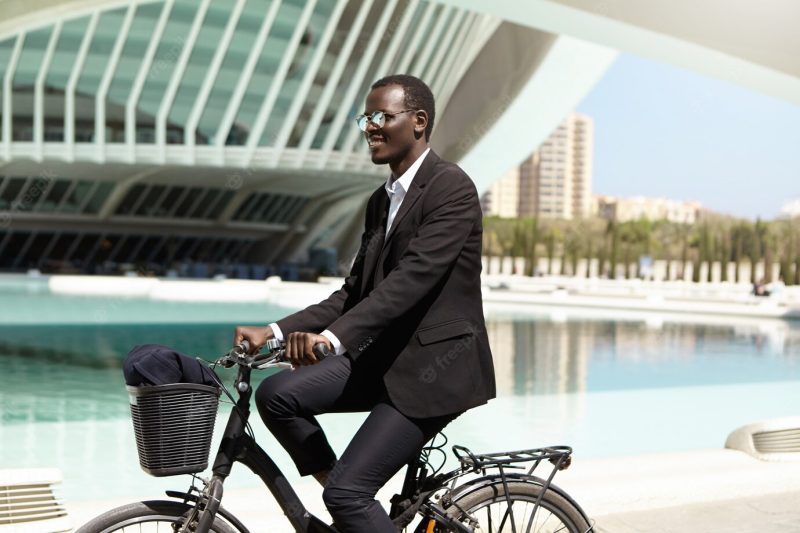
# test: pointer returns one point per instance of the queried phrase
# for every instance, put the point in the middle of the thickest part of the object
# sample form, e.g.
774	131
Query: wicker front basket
173	425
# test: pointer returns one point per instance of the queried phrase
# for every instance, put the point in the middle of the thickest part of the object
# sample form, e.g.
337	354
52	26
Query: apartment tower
555	181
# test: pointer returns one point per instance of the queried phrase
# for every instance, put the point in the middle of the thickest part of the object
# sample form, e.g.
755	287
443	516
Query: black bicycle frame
238	446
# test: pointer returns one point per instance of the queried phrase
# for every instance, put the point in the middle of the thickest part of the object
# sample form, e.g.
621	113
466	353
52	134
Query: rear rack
559	456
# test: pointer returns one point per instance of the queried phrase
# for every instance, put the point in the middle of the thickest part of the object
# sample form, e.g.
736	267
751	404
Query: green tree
613	230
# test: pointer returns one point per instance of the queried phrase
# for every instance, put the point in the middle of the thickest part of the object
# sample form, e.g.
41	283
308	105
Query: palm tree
685	231
550	246
756	251
612	228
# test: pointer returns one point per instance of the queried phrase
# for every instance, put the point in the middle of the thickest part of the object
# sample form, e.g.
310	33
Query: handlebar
273	354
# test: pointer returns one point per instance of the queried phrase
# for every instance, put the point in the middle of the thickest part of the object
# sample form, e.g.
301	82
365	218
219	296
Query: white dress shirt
396	188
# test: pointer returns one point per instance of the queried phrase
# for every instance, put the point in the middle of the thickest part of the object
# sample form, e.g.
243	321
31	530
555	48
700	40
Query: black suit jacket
411	310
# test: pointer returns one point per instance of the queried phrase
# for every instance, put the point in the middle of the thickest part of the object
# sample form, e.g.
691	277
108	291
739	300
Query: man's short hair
417	95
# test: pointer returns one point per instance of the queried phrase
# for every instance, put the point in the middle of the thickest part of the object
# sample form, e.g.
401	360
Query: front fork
231	449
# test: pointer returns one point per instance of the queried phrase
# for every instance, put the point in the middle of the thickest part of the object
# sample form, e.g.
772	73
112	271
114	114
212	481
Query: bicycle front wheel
147	517
494	512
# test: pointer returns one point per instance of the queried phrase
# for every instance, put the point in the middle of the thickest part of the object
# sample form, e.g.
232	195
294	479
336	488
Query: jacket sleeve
436	245
316	318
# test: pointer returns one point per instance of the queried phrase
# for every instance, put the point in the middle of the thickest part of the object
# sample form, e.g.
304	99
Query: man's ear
420	122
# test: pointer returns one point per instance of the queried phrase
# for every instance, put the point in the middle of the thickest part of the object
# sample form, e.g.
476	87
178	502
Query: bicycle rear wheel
490	508
147	517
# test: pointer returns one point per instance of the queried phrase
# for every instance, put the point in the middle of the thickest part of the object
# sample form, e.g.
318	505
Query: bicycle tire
156	516
488	506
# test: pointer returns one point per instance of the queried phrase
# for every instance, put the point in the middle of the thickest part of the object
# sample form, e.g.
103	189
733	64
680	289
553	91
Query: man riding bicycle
406	328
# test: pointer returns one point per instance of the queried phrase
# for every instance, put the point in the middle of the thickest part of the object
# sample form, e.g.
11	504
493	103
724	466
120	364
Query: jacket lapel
414	192
375	242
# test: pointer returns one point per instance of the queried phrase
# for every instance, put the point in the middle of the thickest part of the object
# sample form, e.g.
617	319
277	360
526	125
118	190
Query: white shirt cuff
276	331
337	346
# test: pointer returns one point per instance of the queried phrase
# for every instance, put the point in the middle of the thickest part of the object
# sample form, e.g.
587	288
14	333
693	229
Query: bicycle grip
243	347
321	351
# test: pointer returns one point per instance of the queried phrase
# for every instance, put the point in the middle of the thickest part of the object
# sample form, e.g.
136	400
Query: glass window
76	197
172	196
94	67
69	42
264	204
188	202
308	47
143	251
141	31
296	209
276	213
245	207
183	249
264	72
345	79
10	193
130	200
158	76
12	249
281	215
33	50
55	195
203	52
243	40
34	255
61	246
222	200
414	66
205	202
126	248
107	245
98	198
29	195
6	48
158	254
153	197
357	106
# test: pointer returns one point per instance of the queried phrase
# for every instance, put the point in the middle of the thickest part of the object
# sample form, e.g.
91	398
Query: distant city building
502	199
554	182
791	208
624	209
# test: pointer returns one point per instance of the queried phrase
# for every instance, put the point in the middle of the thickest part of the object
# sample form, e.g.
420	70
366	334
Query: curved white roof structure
174	131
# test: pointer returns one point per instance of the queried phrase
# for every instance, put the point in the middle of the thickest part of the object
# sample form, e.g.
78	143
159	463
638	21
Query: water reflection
70	373
561	379
552	355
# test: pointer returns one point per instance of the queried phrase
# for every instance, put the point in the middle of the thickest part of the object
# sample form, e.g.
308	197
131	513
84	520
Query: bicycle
506	495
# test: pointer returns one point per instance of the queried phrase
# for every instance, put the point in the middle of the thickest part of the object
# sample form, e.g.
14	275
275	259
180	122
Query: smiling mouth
376	140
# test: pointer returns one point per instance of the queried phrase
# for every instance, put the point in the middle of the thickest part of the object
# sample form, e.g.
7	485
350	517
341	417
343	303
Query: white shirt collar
405	180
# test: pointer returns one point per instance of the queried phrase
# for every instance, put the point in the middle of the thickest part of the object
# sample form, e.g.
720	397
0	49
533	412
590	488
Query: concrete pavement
701	491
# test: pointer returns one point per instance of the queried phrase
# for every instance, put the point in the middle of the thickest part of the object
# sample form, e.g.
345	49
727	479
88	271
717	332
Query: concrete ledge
689	491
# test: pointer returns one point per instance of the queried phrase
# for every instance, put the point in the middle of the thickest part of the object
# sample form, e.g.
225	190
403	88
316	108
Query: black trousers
288	403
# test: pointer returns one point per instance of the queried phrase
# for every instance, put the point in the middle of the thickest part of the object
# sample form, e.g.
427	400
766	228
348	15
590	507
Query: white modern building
155	132
637	207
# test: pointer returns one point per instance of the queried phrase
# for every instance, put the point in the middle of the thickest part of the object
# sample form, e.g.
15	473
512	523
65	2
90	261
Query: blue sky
662	131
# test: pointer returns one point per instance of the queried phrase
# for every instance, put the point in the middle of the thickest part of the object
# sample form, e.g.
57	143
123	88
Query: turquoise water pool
608	387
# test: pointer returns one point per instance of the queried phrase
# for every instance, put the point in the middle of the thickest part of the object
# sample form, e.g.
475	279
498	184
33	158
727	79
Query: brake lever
264	360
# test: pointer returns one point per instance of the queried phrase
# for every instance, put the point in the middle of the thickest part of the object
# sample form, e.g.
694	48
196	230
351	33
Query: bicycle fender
485	481
224	513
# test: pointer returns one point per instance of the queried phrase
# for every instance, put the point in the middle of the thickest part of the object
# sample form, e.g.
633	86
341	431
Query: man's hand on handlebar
257	336
300	348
